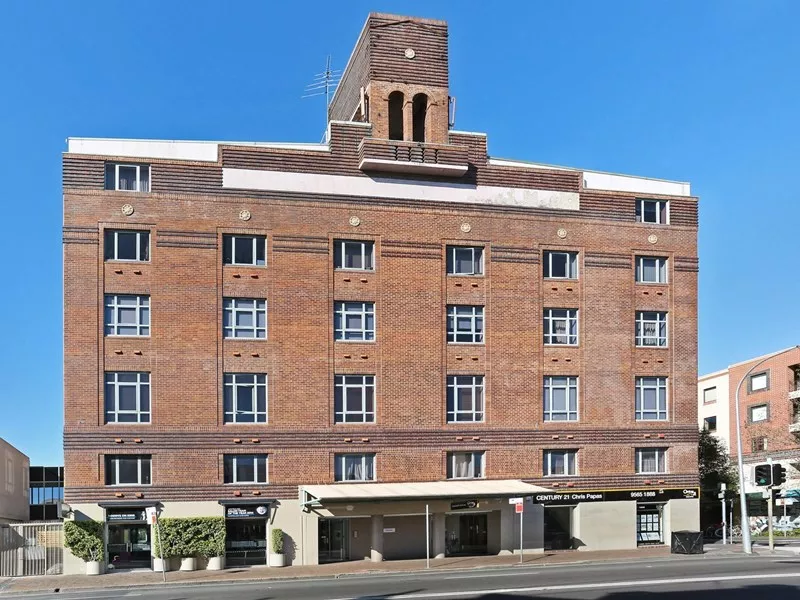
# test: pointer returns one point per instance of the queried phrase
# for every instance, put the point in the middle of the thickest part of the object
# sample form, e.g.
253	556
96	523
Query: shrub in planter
209	540
85	540
276	557
166	541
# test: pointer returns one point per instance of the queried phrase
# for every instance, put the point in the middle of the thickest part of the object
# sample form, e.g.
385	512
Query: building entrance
246	533
558	528
129	546
466	534
333	536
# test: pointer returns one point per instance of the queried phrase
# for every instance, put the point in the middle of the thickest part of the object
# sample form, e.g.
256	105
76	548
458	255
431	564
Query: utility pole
722	488
769	510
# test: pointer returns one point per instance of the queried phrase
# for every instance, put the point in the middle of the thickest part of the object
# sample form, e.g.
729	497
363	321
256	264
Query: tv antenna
324	84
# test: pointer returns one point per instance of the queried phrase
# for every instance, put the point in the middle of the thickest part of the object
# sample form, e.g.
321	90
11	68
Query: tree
715	464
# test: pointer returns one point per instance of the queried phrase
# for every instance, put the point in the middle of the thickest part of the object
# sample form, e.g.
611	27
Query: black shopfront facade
247	531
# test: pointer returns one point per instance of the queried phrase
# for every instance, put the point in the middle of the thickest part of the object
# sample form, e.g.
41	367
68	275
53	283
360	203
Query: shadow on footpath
757	592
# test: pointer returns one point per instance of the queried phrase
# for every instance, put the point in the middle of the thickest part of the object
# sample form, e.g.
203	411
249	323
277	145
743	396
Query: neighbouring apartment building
769	411
338	338
13	484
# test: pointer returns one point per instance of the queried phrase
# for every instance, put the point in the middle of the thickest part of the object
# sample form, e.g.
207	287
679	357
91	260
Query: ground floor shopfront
379	522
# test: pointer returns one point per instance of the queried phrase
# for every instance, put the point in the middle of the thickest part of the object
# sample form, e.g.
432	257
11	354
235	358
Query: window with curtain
354	467
464	465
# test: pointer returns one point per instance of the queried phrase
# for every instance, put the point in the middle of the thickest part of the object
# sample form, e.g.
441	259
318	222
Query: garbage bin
687	542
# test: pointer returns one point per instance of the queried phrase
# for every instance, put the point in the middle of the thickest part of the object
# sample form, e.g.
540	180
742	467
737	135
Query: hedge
84	539
196	536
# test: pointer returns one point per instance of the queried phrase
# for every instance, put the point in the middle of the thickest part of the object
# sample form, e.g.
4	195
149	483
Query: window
651	328
245	398
127	178
464	465
651	460
245	468
709	395
759	413
127	315
127	397
651	269
396	105
560	265
128	469
465	324
354	255
758	382
464	398
354	321
561	326
354	399
759	444
464	260
651	398
560	398
710	424
354	467
244	250
652	211
126	245
559	462
244	318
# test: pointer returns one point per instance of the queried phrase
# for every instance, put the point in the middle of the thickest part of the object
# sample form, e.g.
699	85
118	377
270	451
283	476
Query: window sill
128	485
466	343
355	341
559	476
128	424
137	337
665	347
552	345
245	339
126	261
356	481
356	423
657	283
652	473
465	478
465	423
345	270
261	424
652	420
560	278
240	483
465	275
243	265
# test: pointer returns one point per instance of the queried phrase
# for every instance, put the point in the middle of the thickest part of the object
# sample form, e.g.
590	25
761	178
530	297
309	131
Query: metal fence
31	549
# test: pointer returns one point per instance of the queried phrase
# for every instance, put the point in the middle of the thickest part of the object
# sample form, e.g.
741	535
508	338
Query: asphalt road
690	578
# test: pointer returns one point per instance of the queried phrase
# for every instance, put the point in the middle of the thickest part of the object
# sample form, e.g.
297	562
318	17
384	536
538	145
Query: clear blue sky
701	91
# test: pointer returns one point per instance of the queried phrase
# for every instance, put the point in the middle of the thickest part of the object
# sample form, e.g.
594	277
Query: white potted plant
212	545
276	557
85	540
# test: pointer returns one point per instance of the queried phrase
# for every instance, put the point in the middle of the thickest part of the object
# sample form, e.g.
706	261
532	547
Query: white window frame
344	309
112	325
572	264
141	234
660	384
231	308
476	385
570	461
656	318
114	460
235	458
142	382
366	384
705	395
138	168
368	465
253	238
660	455
640	204
477	265
367	251
549	385
751	409
661	264
754	377
475	316
477	458
550	320
235	381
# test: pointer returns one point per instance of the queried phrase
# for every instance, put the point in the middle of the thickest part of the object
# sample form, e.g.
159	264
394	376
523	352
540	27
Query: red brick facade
189	209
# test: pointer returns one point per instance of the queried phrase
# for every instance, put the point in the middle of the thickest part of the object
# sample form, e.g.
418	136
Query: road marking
586	586
485	575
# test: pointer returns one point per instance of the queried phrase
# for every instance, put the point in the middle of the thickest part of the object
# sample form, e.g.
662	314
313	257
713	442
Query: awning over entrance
417	491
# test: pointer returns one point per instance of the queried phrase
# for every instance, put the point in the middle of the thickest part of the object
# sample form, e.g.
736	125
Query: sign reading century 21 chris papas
650	494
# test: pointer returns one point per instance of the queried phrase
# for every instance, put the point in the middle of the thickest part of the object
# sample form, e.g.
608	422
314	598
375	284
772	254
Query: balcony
396	156
795	395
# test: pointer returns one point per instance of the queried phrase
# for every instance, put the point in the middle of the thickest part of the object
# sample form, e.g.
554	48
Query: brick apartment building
769	410
332	338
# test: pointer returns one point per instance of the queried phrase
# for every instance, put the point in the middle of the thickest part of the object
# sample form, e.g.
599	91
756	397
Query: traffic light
778	474
763	474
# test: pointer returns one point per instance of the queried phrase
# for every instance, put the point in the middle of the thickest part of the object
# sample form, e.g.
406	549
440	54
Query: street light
747	545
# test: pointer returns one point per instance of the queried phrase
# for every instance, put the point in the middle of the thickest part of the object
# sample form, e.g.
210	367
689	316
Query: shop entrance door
333	536
466	534
129	546
649	524
246	541
558	527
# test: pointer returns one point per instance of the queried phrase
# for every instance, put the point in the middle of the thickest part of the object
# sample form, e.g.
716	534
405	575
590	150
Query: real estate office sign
647	495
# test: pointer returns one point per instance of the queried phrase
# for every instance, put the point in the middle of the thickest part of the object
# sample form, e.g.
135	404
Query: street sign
515	500
152	515
784	501
721	495
766	494
518	507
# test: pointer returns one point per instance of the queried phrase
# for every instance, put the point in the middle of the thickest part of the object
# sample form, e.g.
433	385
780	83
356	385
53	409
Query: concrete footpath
136	578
